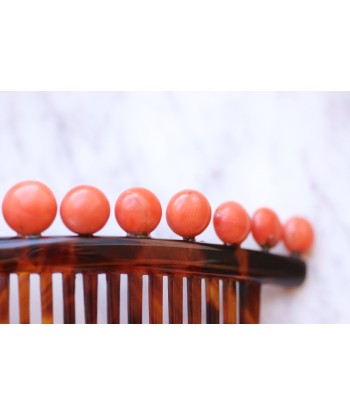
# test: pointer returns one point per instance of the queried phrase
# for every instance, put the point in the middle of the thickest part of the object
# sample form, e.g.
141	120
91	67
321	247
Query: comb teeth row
154	298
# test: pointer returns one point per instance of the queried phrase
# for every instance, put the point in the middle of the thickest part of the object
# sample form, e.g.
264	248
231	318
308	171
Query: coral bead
231	223
29	207
138	211
298	235
188	213
85	210
266	228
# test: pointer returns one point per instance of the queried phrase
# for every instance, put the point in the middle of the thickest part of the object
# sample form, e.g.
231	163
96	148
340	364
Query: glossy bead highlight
188	213
85	210
138	211
266	228
231	223
29	208
298	235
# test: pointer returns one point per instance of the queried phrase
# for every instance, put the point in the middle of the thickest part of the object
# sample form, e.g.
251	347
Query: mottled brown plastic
134	298
181	262
4	299
249	302
68	281
194	300
155	298
113	296
24	293
46	298
90	281
230	301
212	300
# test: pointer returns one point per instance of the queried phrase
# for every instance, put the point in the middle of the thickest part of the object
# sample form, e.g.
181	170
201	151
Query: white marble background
289	151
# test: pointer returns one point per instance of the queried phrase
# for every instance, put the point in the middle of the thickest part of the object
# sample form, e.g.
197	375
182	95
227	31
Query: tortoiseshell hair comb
227	277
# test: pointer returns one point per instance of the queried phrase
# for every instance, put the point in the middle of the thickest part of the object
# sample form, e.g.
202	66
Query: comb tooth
46	298
230	301
4	299
134	299
155	292
212	300
68	298
24	293
90	283
175	299
113	298
249	302
194	295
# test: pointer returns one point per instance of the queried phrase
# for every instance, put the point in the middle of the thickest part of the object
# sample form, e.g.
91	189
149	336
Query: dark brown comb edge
134	298
194	300
113	297
155	298
68	254
90	287
68	280
4	298
229	301
46	297
71	254
175	298
212	300
24	297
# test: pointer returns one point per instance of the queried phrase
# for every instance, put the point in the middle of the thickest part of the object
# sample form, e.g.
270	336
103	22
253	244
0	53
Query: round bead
188	213
266	228
29	207
298	235
85	210
138	211
231	223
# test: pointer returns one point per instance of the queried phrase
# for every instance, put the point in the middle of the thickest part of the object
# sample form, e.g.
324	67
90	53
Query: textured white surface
288	151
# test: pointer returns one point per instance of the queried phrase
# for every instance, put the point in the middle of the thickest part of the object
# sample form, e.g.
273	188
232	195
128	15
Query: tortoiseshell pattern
237	271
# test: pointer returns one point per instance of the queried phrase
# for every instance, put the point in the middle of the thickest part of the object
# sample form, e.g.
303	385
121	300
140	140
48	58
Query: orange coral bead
266	228
29	207
231	223
298	235
188	213
138	211
85	210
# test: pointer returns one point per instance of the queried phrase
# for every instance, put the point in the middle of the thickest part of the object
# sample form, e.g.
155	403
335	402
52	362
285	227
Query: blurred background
289	151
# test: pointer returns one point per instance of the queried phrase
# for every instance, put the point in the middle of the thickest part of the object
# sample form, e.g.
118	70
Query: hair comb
189	281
